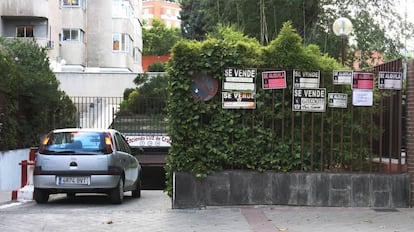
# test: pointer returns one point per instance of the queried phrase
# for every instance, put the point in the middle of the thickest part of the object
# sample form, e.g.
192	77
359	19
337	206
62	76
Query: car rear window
73	142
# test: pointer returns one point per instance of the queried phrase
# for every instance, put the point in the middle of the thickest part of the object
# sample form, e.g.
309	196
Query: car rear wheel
137	192
117	194
40	196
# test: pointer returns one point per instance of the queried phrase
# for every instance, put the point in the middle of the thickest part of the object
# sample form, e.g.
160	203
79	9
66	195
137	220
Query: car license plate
67	180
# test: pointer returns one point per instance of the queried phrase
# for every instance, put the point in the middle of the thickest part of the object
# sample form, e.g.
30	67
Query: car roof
112	131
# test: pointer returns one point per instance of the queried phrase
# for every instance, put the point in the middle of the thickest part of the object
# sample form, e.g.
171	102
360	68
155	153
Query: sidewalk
152	212
5	197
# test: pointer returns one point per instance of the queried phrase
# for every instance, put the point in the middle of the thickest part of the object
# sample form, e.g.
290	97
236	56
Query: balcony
39	8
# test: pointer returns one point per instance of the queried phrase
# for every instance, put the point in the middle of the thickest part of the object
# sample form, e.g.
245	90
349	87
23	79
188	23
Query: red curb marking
257	220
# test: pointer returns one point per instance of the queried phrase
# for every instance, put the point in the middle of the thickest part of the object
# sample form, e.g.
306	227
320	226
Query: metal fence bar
96	112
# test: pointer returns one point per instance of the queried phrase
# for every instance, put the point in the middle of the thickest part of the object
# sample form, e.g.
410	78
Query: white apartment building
81	36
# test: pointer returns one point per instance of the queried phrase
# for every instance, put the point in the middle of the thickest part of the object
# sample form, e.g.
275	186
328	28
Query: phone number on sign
157	140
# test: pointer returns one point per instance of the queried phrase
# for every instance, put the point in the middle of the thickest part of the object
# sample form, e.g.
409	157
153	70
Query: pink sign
363	80
274	80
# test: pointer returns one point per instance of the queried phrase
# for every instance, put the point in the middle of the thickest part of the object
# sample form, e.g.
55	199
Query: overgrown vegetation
378	25
31	103
158	39
207	138
147	98
158	66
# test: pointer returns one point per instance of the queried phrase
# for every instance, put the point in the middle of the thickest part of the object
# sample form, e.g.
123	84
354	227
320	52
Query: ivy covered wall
207	138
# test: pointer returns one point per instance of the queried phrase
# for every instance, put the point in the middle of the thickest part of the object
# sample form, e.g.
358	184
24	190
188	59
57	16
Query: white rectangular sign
148	140
362	97
240	79
238	100
342	77
238	86
338	100
390	80
311	100
306	79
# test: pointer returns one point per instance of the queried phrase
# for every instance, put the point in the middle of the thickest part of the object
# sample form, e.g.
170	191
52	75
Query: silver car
86	161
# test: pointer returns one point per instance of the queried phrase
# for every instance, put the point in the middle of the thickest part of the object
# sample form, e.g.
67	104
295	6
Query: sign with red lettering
274	80
363	80
241	86
238	100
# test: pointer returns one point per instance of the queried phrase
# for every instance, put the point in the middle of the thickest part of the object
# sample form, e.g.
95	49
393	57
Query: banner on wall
148	140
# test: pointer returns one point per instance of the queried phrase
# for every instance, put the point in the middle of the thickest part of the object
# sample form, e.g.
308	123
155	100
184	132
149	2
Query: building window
136	54
73	3
24	31
168	13
72	35
122	43
121	9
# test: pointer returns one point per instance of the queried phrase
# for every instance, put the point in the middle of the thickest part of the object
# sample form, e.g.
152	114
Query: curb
23	194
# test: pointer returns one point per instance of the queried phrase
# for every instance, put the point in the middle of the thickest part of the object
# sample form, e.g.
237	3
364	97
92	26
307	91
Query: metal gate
96	112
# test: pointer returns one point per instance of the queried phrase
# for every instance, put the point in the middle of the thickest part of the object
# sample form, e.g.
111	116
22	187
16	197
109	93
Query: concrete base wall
10	170
95	84
299	189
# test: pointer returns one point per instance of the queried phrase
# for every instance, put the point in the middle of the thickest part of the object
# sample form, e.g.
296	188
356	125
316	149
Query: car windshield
73	142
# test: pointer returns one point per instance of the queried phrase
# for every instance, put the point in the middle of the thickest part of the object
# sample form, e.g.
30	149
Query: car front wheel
40	196
136	193
117	194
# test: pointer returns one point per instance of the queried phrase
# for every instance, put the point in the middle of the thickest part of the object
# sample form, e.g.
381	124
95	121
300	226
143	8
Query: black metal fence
372	140
104	112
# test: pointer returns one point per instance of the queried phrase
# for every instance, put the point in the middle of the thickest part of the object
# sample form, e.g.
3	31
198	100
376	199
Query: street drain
386	210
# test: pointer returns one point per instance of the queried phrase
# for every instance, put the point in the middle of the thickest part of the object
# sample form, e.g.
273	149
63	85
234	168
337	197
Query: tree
258	19
8	101
158	40
36	105
147	98
377	27
377	24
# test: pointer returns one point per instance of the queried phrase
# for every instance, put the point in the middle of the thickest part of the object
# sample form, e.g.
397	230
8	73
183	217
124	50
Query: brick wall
410	126
148	60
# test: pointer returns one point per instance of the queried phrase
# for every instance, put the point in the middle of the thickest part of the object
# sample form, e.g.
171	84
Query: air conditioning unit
50	44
